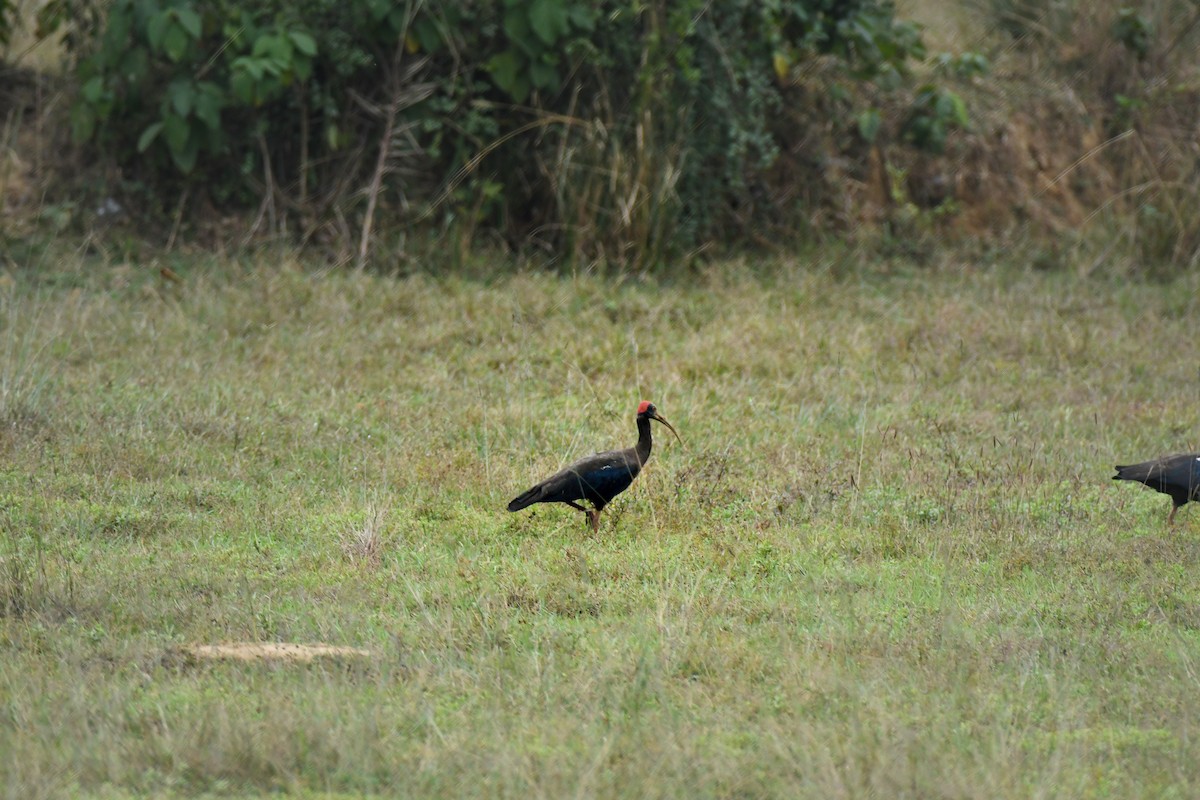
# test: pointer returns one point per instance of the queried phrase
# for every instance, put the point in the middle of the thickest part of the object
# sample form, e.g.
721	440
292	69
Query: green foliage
537	34
8	21
1126	112
864	34
692	104
162	76
77	22
1134	31
935	112
624	131
869	122
963	66
912	228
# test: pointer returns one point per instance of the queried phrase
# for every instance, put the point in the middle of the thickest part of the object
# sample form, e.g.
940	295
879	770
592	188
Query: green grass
888	559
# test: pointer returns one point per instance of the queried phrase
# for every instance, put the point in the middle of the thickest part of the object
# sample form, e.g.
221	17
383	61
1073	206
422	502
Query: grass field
887	560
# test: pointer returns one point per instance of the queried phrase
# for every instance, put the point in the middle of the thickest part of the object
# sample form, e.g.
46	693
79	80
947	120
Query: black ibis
599	477
1178	476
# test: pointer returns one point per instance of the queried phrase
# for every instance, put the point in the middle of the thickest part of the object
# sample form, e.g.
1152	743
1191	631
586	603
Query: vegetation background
621	135
295	297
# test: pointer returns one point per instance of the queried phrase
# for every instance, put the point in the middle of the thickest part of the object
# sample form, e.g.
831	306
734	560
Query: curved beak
669	426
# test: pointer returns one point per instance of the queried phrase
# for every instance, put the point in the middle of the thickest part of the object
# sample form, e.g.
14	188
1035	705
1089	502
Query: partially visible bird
1178	476
599	477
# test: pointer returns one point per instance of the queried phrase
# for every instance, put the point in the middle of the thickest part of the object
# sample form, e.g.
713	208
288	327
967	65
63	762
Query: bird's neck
644	443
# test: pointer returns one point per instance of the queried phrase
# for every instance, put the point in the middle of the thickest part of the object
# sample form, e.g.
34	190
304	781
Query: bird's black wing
602	476
597	478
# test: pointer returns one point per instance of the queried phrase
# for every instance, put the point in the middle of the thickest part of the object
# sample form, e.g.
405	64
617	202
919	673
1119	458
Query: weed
363	541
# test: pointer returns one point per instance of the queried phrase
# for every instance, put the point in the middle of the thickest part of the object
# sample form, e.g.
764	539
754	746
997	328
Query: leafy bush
625	131
935	112
7	21
172	85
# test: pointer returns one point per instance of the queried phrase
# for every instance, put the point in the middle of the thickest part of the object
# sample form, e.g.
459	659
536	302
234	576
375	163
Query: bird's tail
1134	472
526	499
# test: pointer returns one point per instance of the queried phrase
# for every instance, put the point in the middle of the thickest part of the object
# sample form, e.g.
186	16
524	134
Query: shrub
7	21
623	131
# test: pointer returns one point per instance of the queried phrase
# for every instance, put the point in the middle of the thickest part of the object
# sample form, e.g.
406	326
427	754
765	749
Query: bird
1177	476
599	477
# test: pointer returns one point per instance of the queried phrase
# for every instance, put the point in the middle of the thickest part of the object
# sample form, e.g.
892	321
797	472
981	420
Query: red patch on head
643	406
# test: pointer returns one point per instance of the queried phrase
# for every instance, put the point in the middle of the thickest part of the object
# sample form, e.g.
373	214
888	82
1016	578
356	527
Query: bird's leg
1171	516
593	514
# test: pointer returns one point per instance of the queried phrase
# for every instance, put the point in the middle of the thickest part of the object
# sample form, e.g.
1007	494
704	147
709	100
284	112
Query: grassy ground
886	561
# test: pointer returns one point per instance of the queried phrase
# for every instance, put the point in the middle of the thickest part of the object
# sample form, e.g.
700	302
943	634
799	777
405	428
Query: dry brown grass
363	541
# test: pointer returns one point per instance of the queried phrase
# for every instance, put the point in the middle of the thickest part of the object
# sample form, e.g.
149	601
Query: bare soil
271	651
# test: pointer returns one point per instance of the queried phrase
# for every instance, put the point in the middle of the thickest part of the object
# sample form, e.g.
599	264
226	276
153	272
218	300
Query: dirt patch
270	651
